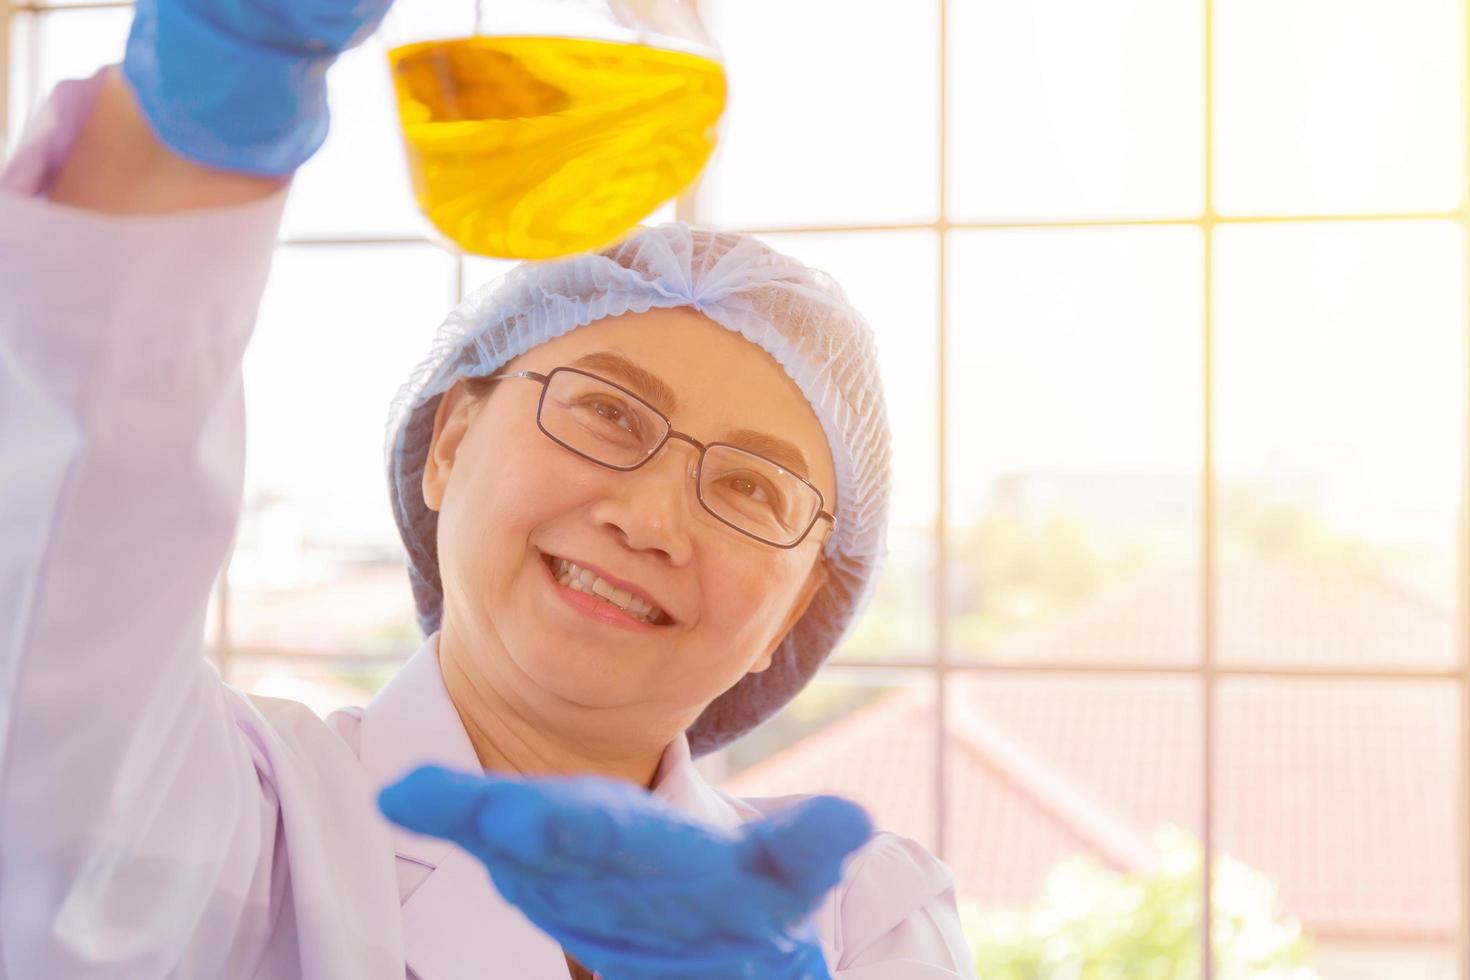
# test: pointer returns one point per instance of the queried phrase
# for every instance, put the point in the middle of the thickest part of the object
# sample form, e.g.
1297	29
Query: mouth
595	594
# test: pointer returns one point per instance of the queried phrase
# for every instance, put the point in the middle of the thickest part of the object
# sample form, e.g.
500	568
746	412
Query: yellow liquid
535	147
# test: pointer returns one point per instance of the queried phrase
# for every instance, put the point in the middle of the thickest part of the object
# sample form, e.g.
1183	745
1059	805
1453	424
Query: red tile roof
1343	791
1265	614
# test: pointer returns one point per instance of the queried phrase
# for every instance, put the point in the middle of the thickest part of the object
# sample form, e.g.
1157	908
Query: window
1173	307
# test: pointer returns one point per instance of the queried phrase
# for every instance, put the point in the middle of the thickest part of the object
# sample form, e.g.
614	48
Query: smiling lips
574	576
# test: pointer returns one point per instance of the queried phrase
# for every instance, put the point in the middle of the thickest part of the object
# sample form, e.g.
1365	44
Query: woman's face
509	500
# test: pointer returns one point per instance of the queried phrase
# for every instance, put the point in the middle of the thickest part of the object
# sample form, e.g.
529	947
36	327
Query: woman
643	495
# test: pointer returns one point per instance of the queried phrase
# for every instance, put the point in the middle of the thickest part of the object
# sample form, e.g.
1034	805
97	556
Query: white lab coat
154	821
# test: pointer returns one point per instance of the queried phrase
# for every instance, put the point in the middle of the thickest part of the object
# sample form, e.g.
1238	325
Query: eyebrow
776	450
661	396
649	385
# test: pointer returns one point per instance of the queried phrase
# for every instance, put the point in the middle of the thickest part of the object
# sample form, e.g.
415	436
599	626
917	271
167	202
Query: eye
615	413
753	487
745	485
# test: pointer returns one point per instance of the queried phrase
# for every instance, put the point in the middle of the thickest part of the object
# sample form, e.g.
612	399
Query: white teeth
576	577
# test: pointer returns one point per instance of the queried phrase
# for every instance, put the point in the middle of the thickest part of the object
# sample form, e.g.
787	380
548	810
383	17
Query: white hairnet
798	315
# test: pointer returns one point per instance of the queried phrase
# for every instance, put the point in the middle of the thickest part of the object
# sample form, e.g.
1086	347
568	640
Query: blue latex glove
633	888
241	84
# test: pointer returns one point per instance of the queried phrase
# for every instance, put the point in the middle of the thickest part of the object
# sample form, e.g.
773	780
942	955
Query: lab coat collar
680	785
410	723
455	922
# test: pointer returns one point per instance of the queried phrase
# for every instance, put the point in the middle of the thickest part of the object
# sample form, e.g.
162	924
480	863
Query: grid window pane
74	44
479	270
1324	106
891	277
319	565
1339	368
832	113
1073	823
1344	795
1074	109
1074	445
357	184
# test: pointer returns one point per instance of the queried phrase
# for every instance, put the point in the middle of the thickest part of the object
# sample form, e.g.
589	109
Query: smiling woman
586	698
633	539
597	593
606	593
746	346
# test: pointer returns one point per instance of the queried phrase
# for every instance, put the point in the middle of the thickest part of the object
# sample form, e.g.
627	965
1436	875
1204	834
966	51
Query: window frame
936	664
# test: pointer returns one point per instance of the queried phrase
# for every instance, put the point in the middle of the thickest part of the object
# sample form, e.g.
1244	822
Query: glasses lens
598	420
756	495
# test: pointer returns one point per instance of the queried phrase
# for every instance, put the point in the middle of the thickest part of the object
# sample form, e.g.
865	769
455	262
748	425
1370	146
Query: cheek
747	598
487	501
515	483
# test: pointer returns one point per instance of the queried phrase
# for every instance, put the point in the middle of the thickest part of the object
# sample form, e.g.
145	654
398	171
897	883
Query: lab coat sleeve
896	916
134	824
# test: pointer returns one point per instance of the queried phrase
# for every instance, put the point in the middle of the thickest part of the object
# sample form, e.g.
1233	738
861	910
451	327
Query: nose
653	505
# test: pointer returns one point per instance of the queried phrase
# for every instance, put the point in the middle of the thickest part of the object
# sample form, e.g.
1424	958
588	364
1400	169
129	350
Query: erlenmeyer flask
538	128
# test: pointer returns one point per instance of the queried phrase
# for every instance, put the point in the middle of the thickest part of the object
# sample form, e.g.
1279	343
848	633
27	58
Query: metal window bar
938	665
941	490
1207	530
5	9
26	6
1464	563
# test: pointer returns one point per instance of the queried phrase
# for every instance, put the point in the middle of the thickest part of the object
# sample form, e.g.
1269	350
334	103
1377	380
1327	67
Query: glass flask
540	128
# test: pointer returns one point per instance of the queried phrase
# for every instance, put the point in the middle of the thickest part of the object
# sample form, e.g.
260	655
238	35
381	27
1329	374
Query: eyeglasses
606	423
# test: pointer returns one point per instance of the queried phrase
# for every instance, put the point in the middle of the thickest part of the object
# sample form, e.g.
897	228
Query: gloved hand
241	84
633	888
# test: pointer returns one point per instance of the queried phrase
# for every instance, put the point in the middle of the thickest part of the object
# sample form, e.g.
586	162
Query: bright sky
1337	346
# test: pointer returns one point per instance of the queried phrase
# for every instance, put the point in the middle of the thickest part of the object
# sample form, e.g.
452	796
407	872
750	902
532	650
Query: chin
572	670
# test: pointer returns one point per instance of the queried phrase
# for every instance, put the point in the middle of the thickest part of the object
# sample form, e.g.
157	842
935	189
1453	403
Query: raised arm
119	166
136	231
129	804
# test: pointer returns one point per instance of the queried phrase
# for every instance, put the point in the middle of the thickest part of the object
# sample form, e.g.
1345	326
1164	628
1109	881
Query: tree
1014	570
1093	923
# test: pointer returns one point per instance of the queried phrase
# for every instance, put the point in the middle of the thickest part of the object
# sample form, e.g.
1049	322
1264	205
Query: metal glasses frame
669	433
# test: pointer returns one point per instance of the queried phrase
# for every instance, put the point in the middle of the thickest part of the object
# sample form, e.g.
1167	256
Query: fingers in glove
579	827
638	837
483	814
596	827
803	846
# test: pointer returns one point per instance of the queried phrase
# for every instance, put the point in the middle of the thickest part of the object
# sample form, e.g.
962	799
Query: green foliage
1274	526
1093	923
1019	570
899	619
